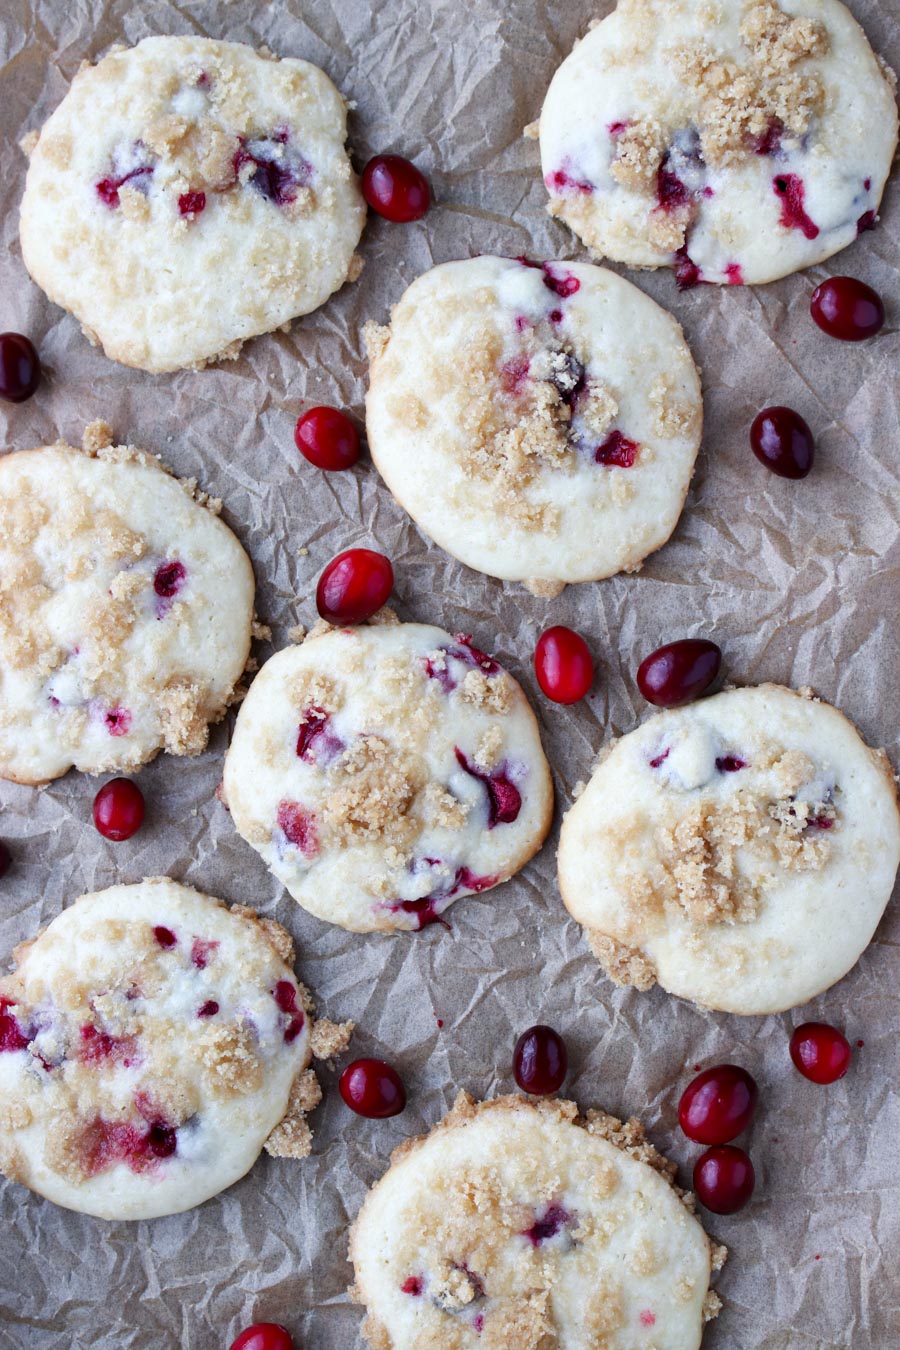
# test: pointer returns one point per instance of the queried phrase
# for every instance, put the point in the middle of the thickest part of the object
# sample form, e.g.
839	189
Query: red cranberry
327	438
724	1179
395	188
678	672
5	859
820	1052
353	586
540	1060
264	1336
119	809
563	665
20	367
718	1105
847	309
372	1088
783	442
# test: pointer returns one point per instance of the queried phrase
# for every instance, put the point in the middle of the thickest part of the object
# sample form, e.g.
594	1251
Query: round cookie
152	1041
517	1223
740	851
383	772
736	141
188	194
539	421
125	611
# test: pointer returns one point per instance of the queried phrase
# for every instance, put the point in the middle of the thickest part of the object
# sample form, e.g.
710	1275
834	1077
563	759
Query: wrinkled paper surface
797	582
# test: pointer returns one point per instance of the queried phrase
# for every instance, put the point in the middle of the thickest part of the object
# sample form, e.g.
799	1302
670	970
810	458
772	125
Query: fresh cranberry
820	1052
783	442
264	1336
847	309
540	1060
354	586
5	859
718	1104
678	672
119	809
20	367
327	438
395	188
372	1088
563	665
724	1179
192	203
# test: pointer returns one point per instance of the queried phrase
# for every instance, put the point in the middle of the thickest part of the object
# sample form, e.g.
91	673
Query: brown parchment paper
797	581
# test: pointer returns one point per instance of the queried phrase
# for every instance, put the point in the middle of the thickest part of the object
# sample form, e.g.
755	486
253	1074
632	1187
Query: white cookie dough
126	610
539	421
519	1224
734	140
740	851
383	772
151	1042
188	194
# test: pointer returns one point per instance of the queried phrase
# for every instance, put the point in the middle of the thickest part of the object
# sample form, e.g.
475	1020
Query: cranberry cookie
383	772
189	194
740	851
518	1223
734	140
539	421
152	1041
126	610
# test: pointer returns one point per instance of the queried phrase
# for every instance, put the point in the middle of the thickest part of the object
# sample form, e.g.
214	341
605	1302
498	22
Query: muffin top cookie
539	421
517	1223
384	772
734	140
151	1042
125	610
740	851
189	194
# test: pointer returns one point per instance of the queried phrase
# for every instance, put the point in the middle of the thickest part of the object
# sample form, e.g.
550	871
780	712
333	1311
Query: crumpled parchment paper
798	582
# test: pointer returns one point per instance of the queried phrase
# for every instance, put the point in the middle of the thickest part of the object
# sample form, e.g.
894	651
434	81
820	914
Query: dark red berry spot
724	1179
298	824
354	586
208	1009
718	1104
790	188
560	282
687	273
118	721
560	180
847	309
5	859
372	1088
540	1060
316	743
396	189
169	579
867	221
783	442
275	176
734	274
553	1221
617	450
165	937
20	367
678	672
202	950
411	1285
504	798
192	203
11	1035
820	1052
119	809
327	438
730	764
264	1336
108	188
661	758
563	665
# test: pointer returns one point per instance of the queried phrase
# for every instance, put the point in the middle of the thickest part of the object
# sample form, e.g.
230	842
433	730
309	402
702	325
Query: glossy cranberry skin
354	586
327	438
820	1052
678	672
372	1088
847	309
119	809
20	367
563	665
718	1104
5	859
396	189
782	441
264	1336
724	1179
540	1060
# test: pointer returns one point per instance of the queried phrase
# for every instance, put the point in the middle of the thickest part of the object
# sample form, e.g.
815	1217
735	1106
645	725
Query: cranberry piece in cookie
782	441
372	1088
20	367
119	809
396	189
327	438
354	586
847	309
820	1052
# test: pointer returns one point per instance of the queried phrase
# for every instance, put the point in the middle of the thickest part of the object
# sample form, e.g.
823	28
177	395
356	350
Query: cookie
383	772
152	1042
189	194
125	610
734	140
539	421
740	851
519	1224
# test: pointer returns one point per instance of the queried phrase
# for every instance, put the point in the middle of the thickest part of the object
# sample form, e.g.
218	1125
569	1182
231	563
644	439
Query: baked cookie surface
188	194
734	140
740	851
539	421
151	1042
383	772
126	610
519	1224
